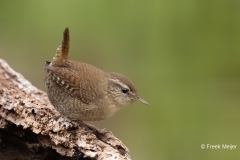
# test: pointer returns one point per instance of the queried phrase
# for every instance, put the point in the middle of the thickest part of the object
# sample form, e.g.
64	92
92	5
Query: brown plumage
83	92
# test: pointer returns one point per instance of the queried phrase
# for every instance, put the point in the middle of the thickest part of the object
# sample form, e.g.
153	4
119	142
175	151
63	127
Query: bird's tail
61	55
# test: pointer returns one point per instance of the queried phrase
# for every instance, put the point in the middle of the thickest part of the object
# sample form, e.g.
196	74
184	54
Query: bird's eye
125	90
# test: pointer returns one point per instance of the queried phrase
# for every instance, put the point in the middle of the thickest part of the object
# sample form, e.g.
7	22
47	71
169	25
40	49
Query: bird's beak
142	100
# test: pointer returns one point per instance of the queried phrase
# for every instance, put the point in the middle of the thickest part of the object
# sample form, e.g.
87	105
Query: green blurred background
183	56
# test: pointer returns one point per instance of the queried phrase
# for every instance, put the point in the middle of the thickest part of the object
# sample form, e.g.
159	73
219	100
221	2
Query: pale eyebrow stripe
120	83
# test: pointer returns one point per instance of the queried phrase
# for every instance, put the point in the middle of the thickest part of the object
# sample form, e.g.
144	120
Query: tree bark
31	128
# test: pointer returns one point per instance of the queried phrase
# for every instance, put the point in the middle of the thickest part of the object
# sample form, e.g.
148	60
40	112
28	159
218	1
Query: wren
82	92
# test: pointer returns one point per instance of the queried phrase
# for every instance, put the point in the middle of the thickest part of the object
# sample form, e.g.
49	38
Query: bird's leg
94	128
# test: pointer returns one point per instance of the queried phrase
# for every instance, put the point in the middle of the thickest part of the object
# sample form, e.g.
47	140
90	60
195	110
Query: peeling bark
29	121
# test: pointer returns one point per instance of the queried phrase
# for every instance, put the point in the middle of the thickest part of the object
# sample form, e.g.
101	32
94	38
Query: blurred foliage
183	56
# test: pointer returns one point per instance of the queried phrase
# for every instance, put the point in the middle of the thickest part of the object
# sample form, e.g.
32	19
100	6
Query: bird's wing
74	84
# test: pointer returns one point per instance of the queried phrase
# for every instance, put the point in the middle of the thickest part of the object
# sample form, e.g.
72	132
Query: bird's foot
95	129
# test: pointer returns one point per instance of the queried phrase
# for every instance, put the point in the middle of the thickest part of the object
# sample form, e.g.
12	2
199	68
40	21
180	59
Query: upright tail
61	55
